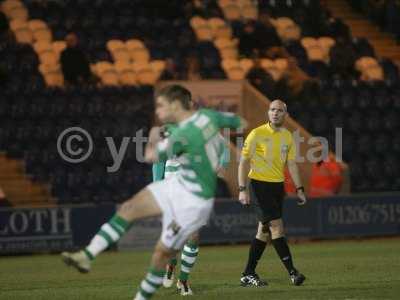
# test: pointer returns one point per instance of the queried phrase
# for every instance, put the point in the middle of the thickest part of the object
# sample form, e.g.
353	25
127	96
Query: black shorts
267	198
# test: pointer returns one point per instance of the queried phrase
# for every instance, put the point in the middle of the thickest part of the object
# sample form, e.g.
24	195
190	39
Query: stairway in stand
20	190
384	44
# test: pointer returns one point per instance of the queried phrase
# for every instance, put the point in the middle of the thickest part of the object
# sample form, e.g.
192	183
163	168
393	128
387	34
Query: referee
266	151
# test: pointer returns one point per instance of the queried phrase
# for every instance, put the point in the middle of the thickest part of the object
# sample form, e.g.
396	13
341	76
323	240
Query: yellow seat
140	65
20	13
121	55
109	76
232	12
326	42
49	57
222	43
246	64
290	33
316	53
249	12
365	62
308	42
59	46
282	64
204	33
196	22
236	73
17	24
42	34
158	66
223	3
228	64
52	74
229	53
118	50
8	5
23	35
101	67
134	44
224	32
215	22
113	45
267	63
373	73
42	46
126	73
36	24
147	76
140	54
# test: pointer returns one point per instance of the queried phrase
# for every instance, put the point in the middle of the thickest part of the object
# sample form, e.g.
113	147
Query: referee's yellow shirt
268	151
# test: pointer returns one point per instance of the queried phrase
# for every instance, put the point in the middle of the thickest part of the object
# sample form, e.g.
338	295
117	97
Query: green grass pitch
351	270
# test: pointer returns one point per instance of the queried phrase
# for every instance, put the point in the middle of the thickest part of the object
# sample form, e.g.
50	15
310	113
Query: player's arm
295	174
230	120
244	167
158	149
151	155
158	171
224	157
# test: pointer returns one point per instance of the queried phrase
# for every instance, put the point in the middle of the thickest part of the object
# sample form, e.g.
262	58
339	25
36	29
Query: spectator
74	64
261	79
290	189
3	199
268	37
342	58
169	72
3	23
192	69
248	41
296	77
326	177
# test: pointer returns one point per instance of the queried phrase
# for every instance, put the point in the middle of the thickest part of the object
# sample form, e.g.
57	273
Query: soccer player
267	149
162	170
185	201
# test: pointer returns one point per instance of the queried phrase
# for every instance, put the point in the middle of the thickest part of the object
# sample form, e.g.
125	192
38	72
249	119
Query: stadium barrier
52	229
323	218
27	230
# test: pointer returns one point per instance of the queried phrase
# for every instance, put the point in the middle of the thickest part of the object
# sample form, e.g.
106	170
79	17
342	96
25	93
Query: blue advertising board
50	229
68	227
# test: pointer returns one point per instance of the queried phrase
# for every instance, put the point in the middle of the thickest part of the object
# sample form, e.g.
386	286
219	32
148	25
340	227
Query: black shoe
296	277
252	280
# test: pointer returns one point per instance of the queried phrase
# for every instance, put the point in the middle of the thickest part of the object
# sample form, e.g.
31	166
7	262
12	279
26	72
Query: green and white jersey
172	166
197	145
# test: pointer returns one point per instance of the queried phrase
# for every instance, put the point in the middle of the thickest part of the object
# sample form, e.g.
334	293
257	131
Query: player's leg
282	249
169	275
141	205
154	278
188	260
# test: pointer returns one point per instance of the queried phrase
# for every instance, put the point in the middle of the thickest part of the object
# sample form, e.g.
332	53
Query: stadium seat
231	12
249	12
139	55
126	73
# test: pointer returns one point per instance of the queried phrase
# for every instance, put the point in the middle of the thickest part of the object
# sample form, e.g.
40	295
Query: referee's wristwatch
242	188
300	188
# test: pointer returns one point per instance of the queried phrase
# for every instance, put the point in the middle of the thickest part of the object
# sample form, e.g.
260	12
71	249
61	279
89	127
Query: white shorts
183	212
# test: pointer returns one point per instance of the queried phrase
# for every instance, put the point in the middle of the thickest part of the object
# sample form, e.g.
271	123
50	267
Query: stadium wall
28	230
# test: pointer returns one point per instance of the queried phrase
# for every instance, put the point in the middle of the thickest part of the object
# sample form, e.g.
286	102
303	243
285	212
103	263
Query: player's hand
302	200
155	135
244	198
